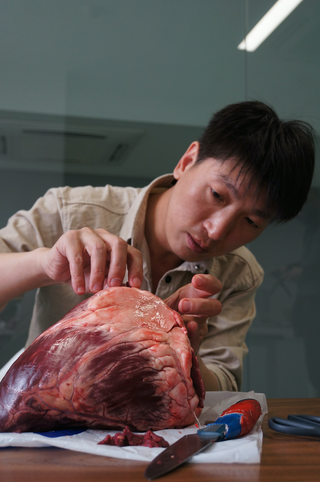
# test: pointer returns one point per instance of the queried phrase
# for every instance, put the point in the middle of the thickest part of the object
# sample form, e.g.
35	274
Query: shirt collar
133	227
196	267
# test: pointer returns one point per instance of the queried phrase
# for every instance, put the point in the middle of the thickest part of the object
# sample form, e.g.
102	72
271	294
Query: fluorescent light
277	13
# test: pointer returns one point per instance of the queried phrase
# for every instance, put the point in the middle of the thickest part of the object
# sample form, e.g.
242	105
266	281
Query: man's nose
219	225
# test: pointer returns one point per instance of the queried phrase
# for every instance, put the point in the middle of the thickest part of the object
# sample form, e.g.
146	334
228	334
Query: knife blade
181	451
234	422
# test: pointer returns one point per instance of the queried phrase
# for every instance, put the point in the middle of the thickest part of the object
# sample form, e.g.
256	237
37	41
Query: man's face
211	211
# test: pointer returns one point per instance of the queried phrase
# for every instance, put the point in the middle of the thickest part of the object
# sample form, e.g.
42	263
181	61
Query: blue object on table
62	433
305	425
232	421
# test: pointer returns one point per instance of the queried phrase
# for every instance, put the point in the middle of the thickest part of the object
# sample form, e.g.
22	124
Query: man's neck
161	258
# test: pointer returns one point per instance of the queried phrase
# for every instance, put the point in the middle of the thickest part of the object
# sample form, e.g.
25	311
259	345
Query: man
177	237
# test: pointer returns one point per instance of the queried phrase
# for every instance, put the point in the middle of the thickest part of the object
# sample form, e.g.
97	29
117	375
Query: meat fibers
120	359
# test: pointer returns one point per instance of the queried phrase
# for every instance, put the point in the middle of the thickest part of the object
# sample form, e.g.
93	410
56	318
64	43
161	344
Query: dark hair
277	155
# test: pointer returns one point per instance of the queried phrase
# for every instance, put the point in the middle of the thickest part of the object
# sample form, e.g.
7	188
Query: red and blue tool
236	421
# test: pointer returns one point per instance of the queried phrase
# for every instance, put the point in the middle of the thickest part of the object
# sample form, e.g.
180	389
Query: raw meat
149	439
120	359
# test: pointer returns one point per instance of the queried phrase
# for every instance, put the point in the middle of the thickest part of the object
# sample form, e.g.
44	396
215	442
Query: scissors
305	425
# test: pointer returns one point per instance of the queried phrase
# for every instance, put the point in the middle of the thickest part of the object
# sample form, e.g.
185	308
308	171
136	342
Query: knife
234	422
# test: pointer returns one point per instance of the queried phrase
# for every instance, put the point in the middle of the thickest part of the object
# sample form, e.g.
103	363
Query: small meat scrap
149	439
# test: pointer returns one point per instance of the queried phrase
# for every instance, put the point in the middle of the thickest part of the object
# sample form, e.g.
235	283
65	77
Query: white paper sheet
247	449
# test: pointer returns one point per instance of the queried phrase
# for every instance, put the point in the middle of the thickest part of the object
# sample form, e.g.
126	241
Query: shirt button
168	279
198	267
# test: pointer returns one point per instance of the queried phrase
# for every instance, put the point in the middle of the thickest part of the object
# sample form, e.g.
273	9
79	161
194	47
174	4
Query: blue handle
213	432
238	419
232	423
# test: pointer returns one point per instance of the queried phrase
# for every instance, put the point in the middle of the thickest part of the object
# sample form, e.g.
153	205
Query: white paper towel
246	449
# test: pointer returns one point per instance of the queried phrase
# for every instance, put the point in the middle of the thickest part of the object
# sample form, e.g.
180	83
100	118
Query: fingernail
115	282
97	287
137	282
186	306
200	281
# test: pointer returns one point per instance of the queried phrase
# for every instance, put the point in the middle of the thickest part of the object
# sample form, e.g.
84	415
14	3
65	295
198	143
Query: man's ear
187	160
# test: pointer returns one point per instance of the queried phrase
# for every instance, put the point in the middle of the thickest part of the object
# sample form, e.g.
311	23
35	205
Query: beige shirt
121	211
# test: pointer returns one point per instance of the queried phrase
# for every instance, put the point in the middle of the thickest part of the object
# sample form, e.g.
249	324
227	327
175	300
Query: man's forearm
20	272
209	379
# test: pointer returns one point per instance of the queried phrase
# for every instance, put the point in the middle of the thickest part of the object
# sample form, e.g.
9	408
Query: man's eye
216	195
252	223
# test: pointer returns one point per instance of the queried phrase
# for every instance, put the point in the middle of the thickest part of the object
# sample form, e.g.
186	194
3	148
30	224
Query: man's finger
206	283
199	306
135	267
122	256
95	251
118	262
73	251
201	286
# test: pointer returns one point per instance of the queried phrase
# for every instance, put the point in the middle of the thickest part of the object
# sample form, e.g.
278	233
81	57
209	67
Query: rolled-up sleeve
224	347
39	227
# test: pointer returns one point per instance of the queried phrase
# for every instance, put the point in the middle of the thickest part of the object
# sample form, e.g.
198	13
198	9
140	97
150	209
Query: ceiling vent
74	147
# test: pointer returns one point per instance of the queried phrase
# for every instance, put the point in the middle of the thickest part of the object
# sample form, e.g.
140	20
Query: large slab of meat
120	359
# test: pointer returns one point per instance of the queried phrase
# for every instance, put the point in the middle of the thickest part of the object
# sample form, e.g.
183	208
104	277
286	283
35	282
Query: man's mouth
195	246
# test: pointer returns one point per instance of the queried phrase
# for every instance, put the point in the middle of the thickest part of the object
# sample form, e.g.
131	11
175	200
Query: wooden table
284	458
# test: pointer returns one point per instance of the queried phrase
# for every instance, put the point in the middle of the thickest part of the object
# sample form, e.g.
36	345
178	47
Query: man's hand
193	302
90	259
